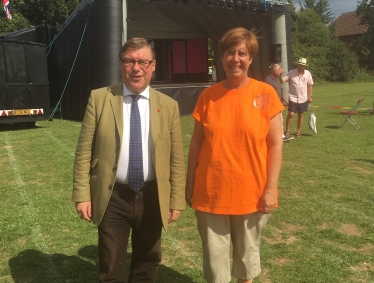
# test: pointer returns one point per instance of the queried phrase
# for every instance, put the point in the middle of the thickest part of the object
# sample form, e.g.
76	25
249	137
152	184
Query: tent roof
167	19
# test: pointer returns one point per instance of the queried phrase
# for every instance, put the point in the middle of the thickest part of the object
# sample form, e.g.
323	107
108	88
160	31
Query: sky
337	7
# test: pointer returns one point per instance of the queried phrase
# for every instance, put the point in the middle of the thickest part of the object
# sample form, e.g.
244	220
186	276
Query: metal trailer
24	86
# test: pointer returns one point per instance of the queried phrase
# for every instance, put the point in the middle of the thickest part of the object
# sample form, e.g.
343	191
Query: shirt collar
144	93
274	79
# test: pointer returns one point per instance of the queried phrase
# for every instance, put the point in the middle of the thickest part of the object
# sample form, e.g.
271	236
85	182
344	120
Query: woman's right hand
193	155
188	194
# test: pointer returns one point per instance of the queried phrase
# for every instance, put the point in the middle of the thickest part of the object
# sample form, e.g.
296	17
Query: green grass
323	230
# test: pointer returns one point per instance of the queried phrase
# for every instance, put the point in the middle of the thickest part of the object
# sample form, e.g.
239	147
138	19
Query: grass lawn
323	230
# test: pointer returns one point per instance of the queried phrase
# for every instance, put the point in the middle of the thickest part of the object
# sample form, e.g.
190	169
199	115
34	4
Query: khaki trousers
217	232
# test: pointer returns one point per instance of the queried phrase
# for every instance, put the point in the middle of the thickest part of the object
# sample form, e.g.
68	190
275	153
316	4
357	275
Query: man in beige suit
101	189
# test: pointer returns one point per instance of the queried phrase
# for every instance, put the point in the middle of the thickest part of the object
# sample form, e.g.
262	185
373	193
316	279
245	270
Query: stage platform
185	93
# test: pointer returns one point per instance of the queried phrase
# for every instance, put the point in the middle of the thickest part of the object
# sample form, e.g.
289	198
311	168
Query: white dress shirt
123	163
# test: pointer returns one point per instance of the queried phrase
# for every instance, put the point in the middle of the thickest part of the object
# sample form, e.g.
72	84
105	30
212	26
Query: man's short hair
274	67
136	43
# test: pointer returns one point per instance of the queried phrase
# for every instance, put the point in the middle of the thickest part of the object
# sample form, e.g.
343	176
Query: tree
27	13
18	22
343	67
365	46
322	8
361	48
44	11
309	38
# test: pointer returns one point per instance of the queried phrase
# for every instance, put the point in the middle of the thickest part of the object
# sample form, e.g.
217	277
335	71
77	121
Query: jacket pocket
94	162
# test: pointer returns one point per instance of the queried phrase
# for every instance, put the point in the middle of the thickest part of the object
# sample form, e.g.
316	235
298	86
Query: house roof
349	24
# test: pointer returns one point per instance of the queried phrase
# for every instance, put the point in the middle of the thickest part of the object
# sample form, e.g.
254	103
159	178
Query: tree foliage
28	13
364	47
322	8
343	63
328	58
17	23
45	11
309	37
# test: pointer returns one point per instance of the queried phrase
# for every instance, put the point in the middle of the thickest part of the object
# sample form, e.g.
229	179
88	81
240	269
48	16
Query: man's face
300	68
135	76
278	71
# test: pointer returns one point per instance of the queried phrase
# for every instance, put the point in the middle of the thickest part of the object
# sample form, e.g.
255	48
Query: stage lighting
245	8
229	4
237	4
263	11
221	3
258	10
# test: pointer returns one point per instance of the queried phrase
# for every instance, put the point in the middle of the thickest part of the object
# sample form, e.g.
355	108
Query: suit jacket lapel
117	106
155	114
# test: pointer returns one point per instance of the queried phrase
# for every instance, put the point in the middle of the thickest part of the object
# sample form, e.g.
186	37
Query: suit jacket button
110	187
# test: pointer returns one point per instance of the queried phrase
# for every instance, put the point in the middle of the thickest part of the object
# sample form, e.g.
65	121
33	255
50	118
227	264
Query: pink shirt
298	90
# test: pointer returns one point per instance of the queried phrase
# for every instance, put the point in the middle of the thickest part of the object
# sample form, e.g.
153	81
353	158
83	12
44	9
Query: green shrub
363	76
343	63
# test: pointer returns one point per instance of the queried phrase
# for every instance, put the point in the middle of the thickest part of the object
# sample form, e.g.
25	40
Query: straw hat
302	61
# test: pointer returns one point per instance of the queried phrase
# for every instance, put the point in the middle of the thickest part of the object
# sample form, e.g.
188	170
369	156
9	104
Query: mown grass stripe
57	141
30	216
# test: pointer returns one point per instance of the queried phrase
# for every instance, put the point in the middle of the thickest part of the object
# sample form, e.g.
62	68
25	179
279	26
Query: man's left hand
173	215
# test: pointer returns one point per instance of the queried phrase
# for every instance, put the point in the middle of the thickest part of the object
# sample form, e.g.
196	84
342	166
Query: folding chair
348	114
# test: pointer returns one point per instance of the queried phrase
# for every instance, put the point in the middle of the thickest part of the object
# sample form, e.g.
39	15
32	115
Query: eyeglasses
131	63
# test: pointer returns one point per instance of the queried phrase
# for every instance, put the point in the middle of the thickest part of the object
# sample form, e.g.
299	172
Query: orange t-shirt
231	173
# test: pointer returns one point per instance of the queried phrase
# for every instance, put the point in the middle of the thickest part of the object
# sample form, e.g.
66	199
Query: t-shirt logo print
261	101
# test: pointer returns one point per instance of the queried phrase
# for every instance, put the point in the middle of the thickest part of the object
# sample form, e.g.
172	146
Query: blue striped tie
136	175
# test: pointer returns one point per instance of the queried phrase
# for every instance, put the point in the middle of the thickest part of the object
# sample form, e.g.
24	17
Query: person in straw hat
300	94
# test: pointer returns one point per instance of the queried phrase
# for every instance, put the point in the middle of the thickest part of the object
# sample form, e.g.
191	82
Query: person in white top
300	94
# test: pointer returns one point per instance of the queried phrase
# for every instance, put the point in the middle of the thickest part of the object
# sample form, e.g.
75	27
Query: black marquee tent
83	54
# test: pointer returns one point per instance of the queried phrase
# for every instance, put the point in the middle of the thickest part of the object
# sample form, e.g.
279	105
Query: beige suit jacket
99	147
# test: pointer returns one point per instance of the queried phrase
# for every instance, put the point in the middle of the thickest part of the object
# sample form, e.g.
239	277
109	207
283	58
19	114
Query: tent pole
124	25
279	37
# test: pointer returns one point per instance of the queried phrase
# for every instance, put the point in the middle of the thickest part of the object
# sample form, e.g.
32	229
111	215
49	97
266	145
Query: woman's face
236	62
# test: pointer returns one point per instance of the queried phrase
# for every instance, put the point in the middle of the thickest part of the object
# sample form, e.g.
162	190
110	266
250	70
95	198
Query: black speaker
275	53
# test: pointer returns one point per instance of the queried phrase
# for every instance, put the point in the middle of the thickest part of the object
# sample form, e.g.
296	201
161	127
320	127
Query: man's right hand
84	210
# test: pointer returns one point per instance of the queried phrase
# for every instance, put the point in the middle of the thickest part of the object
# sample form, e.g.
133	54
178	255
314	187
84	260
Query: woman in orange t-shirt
234	163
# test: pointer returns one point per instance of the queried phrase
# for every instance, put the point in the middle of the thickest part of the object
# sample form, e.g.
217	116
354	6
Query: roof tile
349	24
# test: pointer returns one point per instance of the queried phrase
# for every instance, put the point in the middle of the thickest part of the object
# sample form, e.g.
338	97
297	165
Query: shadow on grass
168	275
33	266
332	127
366	160
17	127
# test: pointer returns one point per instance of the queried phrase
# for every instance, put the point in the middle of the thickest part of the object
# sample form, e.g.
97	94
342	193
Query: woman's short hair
136	43
237	35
